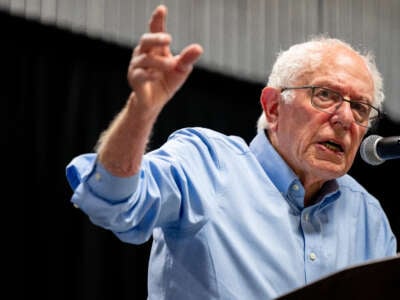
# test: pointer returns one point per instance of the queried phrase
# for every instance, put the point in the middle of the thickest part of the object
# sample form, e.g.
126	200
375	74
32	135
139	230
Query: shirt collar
281	174
272	163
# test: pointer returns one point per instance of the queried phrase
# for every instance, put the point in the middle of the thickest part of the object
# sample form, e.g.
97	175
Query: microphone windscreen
368	150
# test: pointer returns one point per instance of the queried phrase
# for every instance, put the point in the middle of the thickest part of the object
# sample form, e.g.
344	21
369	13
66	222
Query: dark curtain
61	90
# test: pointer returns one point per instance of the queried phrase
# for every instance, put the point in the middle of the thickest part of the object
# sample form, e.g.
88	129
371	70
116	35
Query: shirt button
97	176
312	256
306	217
295	187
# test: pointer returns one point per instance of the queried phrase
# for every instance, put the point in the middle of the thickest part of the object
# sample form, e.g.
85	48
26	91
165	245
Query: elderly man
230	220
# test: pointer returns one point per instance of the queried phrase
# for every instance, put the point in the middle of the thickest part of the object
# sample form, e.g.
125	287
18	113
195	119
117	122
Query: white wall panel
48	11
239	37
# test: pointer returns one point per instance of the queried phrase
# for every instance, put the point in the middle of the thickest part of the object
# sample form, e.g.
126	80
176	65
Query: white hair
304	58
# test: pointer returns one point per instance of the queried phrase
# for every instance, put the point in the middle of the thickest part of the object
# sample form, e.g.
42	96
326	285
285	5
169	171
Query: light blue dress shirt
228	220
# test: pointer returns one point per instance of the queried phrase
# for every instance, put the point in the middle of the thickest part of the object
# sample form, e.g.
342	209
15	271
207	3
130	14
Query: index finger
157	21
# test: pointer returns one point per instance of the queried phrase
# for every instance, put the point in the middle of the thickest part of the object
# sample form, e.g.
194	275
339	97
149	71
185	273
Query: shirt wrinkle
242	227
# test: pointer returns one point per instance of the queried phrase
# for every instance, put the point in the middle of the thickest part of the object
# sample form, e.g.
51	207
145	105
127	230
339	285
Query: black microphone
375	149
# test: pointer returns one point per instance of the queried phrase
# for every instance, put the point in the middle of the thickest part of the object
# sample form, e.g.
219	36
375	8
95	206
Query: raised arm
154	74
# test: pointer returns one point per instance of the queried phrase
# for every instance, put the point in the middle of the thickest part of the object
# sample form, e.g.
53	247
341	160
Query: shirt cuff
111	187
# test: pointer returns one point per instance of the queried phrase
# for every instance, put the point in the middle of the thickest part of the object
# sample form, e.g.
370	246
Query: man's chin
328	170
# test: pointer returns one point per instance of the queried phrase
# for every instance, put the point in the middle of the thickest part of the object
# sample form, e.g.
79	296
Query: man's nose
343	114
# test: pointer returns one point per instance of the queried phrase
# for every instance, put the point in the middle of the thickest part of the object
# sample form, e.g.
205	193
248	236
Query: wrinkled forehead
343	67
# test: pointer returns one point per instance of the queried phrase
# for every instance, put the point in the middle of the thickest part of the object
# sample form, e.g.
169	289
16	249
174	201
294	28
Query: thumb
188	57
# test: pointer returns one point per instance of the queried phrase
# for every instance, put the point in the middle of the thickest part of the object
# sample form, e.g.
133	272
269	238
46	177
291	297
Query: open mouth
335	147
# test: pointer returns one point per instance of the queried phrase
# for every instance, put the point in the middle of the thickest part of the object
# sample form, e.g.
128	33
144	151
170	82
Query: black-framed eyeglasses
329	101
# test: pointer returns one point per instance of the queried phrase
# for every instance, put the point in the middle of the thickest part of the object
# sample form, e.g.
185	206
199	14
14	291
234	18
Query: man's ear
270	102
